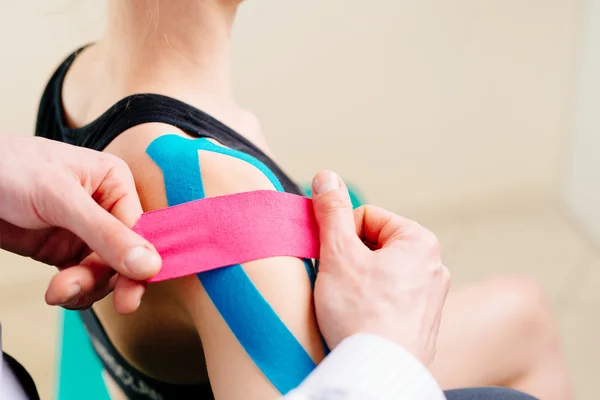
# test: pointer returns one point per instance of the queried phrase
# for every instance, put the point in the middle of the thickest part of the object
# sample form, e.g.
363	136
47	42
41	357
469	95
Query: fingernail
72	294
142	261
326	181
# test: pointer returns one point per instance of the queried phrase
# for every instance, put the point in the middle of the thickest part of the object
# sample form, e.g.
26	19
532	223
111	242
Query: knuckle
109	158
411	230
399	221
105	160
110	162
446	278
119	166
428	240
439	277
334	205
342	247
446	273
435	249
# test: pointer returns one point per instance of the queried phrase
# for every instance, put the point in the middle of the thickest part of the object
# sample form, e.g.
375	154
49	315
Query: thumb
333	212
120	247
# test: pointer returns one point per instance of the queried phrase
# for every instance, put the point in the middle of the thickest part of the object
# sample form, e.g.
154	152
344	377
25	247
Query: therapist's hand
72	208
379	273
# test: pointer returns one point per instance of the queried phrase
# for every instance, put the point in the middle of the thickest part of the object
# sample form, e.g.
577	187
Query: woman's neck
177	48
185	42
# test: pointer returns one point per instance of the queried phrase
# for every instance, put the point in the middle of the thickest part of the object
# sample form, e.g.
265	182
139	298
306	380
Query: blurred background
477	118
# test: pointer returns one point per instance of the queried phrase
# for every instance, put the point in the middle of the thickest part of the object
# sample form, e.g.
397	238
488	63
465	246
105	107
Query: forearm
368	367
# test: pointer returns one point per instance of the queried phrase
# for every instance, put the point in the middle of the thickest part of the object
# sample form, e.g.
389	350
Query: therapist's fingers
87	301
117	193
81	281
80	286
334	215
379	228
90	219
128	294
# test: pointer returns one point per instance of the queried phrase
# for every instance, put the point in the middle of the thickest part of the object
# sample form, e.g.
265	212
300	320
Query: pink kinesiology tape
220	231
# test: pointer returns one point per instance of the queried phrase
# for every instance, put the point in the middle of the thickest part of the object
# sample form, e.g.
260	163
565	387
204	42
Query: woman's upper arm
260	313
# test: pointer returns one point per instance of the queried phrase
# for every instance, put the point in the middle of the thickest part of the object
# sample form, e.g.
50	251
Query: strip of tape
262	334
211	233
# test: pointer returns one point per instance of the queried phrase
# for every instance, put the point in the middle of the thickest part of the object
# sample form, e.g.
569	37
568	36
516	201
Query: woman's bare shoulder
220	172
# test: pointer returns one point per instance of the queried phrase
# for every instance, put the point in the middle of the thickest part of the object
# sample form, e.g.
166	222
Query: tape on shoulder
215	232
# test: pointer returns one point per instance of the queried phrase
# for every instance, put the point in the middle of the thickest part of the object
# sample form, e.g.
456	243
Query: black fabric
491	393
25	380
136	110
125	114
134	383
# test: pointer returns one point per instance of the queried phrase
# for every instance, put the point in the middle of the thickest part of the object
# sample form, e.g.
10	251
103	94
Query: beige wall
424	104
36	35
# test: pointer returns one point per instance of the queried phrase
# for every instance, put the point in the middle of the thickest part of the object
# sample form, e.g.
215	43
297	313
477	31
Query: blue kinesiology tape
262	334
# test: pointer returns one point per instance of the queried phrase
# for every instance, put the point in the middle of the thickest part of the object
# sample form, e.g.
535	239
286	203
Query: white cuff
10	386
368	367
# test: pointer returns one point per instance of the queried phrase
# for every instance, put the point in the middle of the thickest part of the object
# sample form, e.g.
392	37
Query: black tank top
125	114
